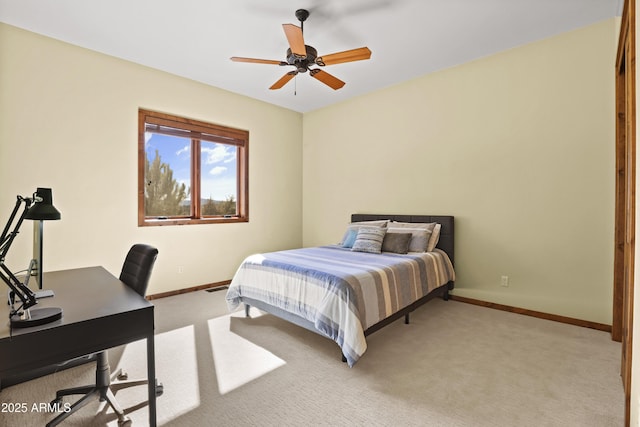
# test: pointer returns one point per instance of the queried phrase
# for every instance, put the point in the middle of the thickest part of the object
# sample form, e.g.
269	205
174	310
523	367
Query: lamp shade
43	210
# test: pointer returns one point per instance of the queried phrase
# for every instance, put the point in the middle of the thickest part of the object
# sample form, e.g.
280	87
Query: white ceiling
196	38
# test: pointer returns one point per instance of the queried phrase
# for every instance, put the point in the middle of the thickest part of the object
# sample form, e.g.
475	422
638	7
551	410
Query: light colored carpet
454	365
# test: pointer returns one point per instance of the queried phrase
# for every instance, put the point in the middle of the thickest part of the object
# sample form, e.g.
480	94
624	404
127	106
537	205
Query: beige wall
518	146
68	120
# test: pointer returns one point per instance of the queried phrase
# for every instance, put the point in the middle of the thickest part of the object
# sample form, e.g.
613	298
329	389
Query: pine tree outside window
190	172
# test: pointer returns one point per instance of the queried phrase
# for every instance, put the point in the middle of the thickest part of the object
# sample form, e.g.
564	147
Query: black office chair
136	272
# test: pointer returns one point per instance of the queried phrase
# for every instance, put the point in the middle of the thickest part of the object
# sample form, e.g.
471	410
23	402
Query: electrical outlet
180	269
504	281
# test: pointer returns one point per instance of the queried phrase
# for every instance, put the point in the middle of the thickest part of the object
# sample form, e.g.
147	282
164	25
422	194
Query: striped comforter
340	292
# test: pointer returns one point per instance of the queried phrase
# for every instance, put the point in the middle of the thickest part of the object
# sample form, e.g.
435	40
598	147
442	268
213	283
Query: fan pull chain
295	85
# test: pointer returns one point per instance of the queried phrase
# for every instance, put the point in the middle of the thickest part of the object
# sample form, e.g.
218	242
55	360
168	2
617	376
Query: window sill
190	221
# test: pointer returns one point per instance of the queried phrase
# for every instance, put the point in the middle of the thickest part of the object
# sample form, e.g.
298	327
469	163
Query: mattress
338	291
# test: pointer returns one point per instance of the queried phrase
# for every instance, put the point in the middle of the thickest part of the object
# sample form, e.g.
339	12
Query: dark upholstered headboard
446	231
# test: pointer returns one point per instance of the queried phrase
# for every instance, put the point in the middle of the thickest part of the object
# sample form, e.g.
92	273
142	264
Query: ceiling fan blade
296	40
258	61
326	78
346	56
283	80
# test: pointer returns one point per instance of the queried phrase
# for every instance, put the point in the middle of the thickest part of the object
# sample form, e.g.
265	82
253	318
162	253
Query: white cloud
185	149
219	153
218	170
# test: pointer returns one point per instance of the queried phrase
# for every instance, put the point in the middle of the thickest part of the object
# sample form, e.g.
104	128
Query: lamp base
36	317
44	293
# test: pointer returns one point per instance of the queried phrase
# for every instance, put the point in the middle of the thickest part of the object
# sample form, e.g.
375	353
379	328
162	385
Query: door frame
624	249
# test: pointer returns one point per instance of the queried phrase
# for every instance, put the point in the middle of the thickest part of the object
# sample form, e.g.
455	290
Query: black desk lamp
40	212
39	207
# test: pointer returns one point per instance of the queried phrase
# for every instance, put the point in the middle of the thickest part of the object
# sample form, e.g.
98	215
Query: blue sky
218	163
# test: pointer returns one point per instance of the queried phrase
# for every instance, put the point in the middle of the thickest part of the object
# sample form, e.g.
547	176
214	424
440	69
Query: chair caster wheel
122	376
124	422
159	389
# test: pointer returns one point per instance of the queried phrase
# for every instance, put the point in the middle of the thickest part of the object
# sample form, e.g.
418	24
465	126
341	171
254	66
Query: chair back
137	267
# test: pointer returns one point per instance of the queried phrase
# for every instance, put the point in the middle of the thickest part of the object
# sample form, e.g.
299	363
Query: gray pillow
396	242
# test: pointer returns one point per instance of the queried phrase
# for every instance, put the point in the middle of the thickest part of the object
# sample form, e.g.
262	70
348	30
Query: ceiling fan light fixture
302	63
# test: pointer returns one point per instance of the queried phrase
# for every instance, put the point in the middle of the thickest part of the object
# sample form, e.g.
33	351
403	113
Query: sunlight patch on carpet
176	349
237	360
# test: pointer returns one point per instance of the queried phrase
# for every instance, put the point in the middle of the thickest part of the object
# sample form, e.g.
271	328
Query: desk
99	312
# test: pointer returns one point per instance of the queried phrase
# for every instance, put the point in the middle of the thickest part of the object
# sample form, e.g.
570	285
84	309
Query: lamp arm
4	238
7	237
26	295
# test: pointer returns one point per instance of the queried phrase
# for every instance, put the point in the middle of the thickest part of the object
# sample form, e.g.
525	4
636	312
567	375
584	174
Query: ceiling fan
303	56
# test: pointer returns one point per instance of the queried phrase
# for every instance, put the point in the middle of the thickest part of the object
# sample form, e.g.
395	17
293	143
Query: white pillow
435	237
421	234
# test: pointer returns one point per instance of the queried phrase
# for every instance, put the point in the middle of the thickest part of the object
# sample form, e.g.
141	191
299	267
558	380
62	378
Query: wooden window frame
197	131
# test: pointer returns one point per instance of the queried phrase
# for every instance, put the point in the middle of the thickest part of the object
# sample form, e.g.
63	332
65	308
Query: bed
347	291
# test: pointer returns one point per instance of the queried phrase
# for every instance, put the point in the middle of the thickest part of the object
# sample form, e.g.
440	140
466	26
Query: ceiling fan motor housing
302	63
302	14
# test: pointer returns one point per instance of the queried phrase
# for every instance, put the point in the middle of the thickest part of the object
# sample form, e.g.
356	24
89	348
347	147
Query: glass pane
219	178
167	175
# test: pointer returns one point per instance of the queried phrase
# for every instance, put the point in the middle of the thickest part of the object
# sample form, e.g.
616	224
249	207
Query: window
190	172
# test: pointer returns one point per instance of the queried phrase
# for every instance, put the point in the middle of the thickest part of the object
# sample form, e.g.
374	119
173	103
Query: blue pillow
350	238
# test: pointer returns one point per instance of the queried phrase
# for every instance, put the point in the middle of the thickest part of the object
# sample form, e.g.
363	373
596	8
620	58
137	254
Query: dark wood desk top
99	312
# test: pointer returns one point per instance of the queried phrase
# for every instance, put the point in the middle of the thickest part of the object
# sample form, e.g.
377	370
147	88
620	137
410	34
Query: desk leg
151	376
